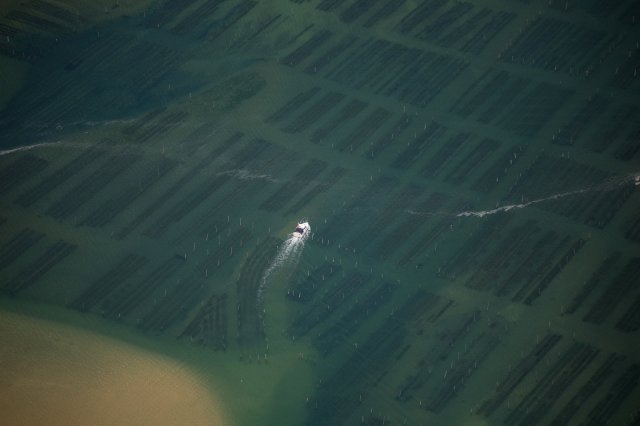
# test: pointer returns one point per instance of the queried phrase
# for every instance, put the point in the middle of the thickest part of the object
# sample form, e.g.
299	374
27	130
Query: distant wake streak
521	205
29	148
245	174
609	185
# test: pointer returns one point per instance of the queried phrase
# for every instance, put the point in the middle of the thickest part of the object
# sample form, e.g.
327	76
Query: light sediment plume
61	375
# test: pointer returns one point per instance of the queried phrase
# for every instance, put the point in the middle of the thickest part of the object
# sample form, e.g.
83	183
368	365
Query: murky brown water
56	374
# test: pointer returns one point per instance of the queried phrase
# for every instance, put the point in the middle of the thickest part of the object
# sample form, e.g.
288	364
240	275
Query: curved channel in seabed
55	374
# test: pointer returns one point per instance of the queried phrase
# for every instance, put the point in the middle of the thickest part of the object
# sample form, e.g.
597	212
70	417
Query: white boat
302	229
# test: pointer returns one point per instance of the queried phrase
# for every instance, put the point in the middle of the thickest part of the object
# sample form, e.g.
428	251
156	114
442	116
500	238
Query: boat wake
244	174
609	185
288	256
482	213
30	147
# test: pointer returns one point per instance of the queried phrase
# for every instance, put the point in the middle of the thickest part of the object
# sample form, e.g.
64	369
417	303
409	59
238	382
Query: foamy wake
608	185
29	148
508	207
288	255
245	174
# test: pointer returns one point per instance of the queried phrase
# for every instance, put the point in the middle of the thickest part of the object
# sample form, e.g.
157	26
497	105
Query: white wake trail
244	174
288	255
508	207
29	147
44	145
608	185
